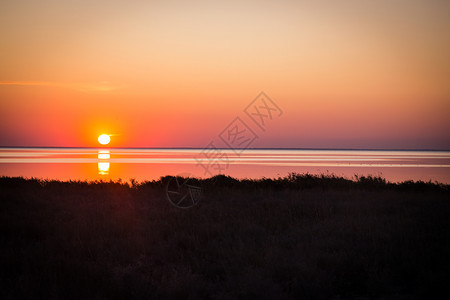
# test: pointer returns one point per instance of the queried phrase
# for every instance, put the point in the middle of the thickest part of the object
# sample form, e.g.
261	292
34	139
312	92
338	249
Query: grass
302	236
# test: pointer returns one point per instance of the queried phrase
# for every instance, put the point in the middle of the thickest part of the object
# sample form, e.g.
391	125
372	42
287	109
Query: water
148	164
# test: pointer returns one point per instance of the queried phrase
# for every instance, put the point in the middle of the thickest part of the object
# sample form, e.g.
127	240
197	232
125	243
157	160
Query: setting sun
104	139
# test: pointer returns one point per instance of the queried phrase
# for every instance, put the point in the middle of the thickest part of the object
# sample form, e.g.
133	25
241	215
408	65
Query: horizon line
224	148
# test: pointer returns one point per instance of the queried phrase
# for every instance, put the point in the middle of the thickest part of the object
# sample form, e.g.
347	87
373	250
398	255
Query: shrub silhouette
299	236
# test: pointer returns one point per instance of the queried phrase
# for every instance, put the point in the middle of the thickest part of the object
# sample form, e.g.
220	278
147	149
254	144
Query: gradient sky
347	74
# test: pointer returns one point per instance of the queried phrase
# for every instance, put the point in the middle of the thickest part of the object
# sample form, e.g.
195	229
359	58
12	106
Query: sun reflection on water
103	162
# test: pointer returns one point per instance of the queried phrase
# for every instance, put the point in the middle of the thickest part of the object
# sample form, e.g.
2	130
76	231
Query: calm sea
148	164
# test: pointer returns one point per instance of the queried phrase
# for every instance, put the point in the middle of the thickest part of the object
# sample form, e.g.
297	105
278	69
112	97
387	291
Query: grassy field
302	236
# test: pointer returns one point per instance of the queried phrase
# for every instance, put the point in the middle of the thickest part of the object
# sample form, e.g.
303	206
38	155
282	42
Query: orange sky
347	74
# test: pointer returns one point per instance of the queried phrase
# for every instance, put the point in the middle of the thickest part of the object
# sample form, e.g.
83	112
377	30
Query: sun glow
104	139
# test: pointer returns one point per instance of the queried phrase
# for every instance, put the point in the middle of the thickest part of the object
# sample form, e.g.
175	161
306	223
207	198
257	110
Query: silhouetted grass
301	236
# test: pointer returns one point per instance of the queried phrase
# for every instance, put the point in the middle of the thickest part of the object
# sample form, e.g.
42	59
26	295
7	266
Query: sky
344	74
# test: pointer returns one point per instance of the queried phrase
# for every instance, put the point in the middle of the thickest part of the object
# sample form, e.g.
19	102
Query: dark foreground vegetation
303	237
